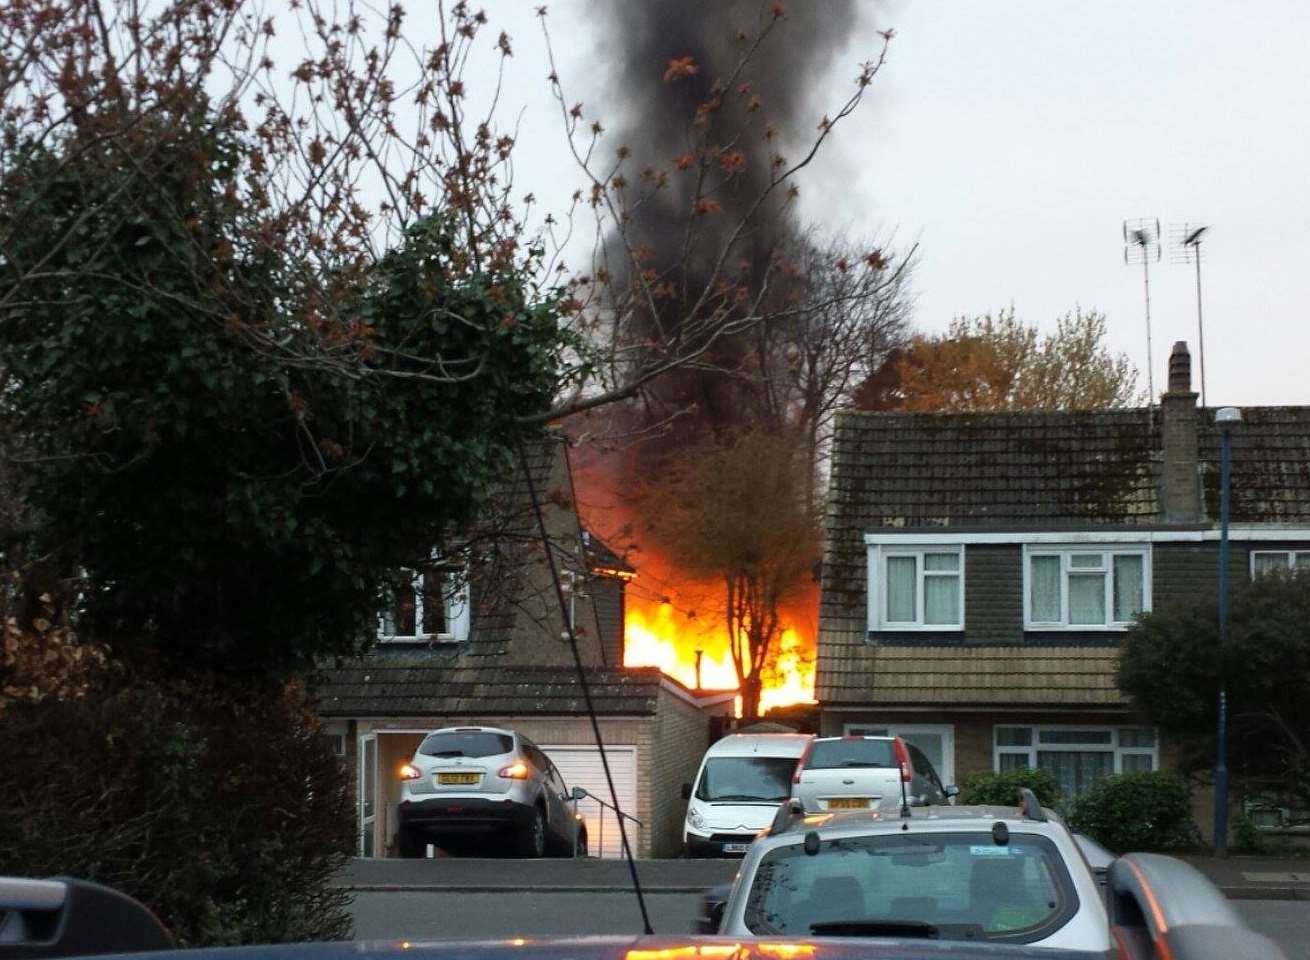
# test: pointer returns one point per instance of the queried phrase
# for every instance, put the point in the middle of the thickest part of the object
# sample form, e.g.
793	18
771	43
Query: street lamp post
1226	418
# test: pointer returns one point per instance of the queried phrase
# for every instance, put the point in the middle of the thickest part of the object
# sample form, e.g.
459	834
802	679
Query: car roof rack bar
1029	807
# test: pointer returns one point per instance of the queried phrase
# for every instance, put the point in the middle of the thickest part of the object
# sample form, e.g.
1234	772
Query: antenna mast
1142	245
1187	249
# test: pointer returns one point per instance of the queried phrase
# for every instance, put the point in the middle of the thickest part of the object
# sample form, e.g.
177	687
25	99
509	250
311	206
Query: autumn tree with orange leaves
998	363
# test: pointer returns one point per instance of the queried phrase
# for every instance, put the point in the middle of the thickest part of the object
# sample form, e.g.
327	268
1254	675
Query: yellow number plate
848	803
450	779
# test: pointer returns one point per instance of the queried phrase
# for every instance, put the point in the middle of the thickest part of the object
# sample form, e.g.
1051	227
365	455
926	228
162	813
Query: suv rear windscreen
830	754
474	744
961	885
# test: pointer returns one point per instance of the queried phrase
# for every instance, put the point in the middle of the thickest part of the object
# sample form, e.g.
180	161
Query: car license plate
452	779
848	803
736	847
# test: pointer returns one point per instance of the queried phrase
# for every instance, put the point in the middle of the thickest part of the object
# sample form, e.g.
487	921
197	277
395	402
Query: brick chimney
1180	488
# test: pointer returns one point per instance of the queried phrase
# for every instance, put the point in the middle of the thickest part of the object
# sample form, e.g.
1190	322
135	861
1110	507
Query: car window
831	754
963	884
466	744
922	764
746	779
557	781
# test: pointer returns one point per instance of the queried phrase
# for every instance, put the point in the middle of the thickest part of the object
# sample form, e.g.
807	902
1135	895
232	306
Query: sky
1012	138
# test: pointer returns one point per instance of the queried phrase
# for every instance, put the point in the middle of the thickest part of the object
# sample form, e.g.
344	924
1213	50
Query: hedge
223	810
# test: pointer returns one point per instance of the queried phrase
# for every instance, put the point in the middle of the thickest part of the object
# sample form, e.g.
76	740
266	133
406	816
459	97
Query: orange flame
657	634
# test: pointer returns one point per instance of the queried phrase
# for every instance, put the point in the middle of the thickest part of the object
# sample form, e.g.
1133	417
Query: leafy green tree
1172	666
214	458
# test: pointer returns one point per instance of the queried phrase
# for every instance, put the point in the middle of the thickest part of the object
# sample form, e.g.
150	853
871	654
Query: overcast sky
1011	138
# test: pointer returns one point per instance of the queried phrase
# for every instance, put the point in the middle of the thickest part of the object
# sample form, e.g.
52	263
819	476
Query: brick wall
681	738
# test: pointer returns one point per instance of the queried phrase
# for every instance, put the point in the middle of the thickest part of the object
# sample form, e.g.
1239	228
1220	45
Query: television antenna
1142	245
1186	248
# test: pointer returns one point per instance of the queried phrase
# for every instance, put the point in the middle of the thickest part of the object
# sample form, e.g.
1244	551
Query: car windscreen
952	886
470	744
832	754
746	779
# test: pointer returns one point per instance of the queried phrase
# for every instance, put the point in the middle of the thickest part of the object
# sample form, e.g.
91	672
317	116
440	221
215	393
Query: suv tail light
903	759
800	764
410	772
518	770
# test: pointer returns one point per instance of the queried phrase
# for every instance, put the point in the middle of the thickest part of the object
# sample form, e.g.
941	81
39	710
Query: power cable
586	690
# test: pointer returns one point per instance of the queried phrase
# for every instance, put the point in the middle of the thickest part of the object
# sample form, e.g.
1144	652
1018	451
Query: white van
741	781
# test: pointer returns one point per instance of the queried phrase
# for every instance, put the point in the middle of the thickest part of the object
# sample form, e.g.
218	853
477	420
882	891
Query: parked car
486	783
741	781
862	773
980	873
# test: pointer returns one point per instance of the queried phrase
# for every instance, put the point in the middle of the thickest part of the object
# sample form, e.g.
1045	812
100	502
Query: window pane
1075	770
1129	593
1086	561
941	561
1136	736
1301	560
941	599
900	589
1136	763
1087	598
1078	736
435	618
403	610
1044	603
1265	562
835	754
1013	761
1014	736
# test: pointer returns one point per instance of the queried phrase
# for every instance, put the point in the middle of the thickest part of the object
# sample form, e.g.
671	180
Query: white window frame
1107	552
1289	555
877	576
1030	751
893	729
457	612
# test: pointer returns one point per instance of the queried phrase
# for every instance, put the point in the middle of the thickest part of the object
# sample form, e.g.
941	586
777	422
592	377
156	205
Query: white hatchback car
945	873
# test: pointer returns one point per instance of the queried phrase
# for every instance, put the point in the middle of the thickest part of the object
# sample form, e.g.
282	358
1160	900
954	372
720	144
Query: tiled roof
414	686
909	470
973	676
1271	465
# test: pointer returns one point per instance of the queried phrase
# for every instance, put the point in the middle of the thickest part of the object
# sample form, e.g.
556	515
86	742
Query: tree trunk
750	697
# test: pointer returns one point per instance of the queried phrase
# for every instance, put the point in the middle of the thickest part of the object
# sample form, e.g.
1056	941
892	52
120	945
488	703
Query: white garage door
581	767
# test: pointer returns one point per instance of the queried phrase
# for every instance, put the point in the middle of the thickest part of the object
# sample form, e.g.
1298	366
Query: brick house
980	569
496	654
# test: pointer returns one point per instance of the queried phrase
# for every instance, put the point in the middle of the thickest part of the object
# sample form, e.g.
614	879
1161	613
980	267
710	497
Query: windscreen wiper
875	928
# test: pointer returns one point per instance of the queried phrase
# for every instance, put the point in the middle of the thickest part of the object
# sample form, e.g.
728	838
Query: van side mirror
578	793
686	791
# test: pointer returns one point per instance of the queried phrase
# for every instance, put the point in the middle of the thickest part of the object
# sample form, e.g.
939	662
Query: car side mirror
686	791
713	905
578	793
951	791
63	917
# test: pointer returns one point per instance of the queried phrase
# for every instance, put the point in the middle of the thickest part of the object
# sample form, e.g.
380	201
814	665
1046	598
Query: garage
582	767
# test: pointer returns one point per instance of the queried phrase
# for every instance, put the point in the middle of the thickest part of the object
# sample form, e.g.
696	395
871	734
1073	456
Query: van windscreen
833	754
746	779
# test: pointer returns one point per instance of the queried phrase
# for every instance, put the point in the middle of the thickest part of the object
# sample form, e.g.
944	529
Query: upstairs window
426	606
1267	561
917	588
1085	588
